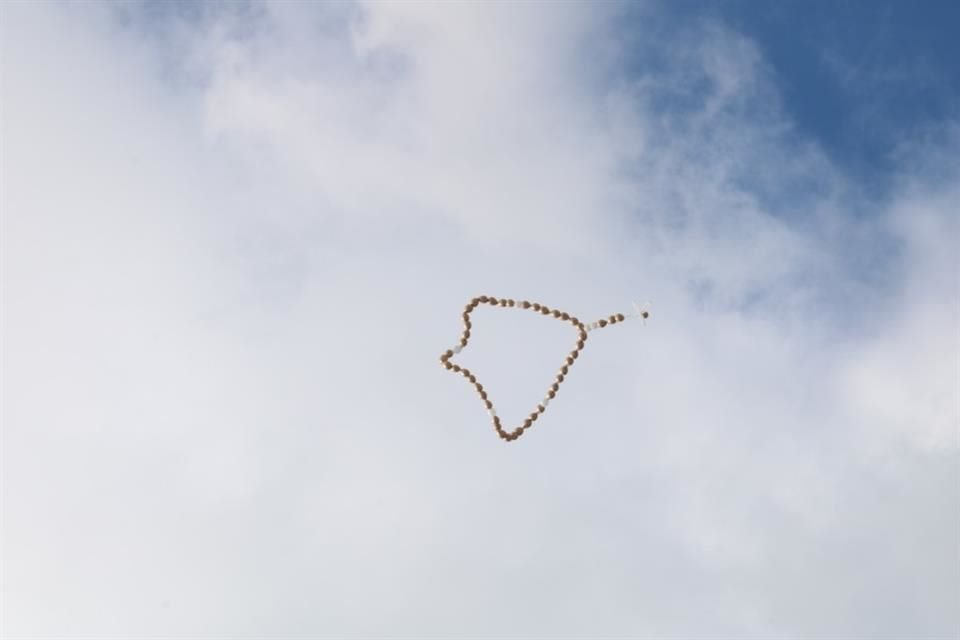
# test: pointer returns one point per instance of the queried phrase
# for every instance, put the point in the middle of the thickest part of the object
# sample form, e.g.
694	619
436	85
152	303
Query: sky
236	237
858	78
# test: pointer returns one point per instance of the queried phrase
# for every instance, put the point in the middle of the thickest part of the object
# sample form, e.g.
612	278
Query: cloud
235	242
904	380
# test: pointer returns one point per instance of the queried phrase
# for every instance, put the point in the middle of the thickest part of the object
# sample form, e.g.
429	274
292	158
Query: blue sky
236	239
860	78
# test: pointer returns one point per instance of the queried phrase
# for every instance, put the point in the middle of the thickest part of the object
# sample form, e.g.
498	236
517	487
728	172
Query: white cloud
904	380
235	245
